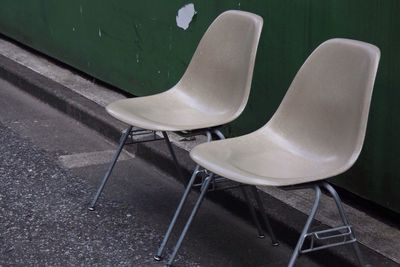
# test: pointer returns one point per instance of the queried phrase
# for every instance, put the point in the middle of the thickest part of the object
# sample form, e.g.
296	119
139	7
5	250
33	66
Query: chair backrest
325	111
220	73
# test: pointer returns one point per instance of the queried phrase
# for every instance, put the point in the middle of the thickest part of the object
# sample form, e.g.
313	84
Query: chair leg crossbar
322	239
336	236
124	140
219	183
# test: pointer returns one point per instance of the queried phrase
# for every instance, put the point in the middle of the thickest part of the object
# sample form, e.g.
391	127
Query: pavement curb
95	117
60	97
84	110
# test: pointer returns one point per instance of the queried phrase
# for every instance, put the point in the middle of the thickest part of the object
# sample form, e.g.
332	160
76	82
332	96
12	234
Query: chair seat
261	159
168	111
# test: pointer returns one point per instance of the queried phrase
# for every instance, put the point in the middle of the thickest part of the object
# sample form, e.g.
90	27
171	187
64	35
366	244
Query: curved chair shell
318	130
215	87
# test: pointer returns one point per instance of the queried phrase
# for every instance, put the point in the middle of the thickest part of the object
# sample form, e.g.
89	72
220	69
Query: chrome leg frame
338	202
171	226
196	207
171	150
205	186
306	227
252	212
336	236
264	216
122	142
160	251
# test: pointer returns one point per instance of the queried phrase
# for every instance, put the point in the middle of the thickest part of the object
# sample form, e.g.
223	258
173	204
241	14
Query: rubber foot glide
158	258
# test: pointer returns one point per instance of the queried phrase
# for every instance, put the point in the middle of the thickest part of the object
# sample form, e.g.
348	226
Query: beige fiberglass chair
316	133
212	92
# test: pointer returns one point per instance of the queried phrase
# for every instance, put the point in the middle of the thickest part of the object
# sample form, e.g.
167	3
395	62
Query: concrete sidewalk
62	88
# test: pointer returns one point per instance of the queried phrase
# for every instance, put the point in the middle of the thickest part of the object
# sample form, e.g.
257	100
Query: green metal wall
136	45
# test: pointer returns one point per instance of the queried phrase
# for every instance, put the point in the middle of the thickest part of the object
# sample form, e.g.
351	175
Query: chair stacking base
333	237
128	137
322	239
210	182
315	240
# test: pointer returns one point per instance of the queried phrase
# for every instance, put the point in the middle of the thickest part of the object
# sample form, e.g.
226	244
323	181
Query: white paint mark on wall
99	32
73	29
81	10
137	58
185	16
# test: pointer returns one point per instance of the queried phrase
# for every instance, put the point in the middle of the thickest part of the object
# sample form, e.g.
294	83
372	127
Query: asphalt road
50	166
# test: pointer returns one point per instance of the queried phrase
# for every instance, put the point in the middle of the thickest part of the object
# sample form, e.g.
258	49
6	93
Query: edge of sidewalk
86	111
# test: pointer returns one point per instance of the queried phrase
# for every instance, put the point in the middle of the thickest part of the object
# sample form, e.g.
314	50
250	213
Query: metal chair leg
252	212
339	205
122	141
196	207
171	226
264	216
306	227
219	134
174	158
160	251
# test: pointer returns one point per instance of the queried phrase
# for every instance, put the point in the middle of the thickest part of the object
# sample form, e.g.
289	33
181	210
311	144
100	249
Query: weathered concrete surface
44	219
